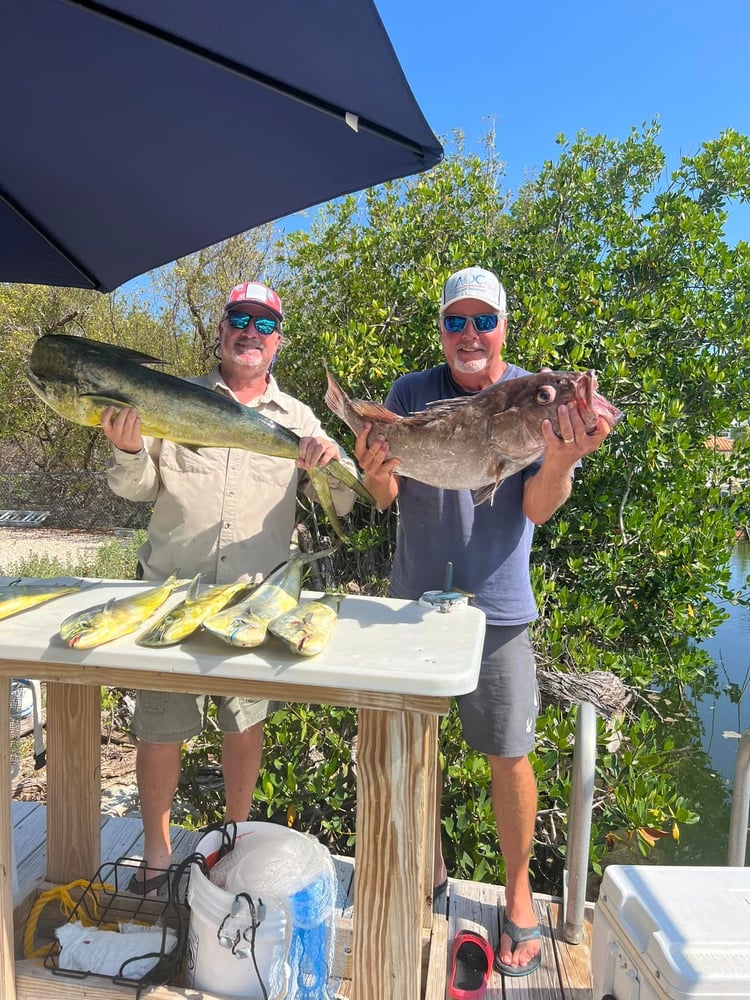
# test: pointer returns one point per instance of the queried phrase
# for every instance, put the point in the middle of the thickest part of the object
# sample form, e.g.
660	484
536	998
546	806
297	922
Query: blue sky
544	68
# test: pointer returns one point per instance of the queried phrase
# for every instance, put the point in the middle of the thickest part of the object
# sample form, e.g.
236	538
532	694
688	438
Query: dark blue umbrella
135	132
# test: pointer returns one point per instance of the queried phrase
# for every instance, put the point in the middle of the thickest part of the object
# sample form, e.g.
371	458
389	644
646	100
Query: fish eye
545	394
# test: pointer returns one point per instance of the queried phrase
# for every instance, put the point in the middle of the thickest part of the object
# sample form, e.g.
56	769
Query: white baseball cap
474	283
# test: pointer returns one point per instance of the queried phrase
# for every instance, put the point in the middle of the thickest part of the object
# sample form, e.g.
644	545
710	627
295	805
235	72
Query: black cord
254	925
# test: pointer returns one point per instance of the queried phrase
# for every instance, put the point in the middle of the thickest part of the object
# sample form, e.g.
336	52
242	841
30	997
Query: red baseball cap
252	292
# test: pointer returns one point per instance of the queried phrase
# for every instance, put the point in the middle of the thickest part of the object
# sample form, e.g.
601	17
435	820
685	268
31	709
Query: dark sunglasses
241	320
483	323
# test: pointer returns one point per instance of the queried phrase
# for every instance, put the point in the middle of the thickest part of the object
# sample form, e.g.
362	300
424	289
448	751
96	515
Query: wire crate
105	904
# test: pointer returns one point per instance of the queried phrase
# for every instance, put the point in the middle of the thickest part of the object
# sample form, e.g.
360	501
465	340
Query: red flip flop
471	966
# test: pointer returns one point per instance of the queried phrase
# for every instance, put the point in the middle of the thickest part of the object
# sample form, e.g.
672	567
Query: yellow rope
62	893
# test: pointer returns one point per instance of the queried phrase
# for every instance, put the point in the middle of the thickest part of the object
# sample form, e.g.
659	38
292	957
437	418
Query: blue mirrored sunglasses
483	323
241	320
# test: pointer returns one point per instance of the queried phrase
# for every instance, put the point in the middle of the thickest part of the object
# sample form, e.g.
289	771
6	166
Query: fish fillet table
396	662
384	645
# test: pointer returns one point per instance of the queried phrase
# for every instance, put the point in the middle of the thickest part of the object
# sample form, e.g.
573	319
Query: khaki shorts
170	717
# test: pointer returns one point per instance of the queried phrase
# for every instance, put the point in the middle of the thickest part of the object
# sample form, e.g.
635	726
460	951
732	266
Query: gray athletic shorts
499	717
171	717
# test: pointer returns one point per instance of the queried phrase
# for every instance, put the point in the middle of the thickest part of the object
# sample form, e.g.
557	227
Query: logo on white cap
474	283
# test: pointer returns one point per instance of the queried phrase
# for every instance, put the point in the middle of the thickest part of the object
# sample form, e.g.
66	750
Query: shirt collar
272	395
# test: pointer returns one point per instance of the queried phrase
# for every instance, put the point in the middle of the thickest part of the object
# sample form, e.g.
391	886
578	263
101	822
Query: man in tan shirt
224	513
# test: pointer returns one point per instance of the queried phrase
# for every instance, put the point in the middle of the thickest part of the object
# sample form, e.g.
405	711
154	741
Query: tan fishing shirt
223	512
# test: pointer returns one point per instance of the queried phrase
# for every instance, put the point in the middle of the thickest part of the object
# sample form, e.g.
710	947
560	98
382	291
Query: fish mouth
591	405
36	385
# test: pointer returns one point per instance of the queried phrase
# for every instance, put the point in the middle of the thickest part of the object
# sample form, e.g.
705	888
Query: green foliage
308	779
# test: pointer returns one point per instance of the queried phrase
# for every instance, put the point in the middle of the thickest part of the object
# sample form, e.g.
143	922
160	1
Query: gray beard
471	367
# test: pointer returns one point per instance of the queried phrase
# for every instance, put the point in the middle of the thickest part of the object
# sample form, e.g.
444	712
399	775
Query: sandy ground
18	543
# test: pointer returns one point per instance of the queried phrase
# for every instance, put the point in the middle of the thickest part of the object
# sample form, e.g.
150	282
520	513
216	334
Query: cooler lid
691	925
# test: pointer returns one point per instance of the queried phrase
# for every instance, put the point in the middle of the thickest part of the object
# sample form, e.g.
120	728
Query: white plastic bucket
211	966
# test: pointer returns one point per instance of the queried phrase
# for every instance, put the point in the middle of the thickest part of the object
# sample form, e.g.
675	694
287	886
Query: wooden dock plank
26	836
122	837
574	960
436	978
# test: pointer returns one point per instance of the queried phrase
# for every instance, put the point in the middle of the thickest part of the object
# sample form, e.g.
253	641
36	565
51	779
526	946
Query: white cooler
672	933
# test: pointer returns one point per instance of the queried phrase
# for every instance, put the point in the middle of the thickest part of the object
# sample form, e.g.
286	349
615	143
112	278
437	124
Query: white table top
379	644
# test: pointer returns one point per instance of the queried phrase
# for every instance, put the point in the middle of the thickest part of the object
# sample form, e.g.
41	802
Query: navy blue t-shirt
489	545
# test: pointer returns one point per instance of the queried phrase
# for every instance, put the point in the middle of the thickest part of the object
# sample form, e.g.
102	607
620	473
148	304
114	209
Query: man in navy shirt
489	546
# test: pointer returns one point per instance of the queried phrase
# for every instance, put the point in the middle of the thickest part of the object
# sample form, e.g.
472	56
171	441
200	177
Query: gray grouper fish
475	442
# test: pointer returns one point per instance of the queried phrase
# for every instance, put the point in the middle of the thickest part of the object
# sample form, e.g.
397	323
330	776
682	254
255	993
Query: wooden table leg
392	799
73	781
7	962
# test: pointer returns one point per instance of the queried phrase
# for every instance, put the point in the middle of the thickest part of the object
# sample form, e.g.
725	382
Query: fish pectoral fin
488	492
484	493
100	399
441	409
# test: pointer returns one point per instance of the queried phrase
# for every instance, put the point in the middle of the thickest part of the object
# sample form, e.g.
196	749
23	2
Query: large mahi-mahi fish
79	378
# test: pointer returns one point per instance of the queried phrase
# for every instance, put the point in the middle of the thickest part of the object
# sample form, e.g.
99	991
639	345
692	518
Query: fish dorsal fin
437	409
449	404
370	410
117	350
192	593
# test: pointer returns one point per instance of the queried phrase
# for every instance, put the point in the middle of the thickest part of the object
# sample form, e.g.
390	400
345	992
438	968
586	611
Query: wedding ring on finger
568	440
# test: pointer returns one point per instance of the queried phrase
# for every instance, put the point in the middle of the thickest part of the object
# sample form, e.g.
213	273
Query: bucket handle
238	928
228	833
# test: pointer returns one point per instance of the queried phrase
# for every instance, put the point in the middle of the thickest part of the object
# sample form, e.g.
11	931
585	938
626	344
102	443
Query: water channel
707	780
730	649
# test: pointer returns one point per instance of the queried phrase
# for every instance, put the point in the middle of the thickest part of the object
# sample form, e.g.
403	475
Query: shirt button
223	558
